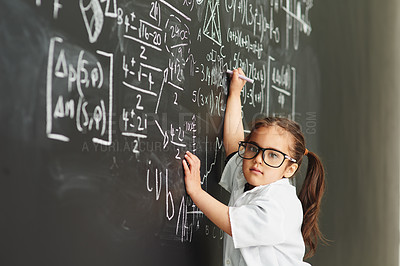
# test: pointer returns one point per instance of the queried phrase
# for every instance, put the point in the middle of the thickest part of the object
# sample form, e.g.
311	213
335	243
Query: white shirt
265	221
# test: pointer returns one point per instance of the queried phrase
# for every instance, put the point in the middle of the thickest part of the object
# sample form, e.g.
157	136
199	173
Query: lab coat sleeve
230	171
259	223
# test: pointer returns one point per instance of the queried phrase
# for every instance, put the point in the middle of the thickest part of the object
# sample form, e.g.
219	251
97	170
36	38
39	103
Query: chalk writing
169	68
281	90
69	85
297	19
57	6
156	187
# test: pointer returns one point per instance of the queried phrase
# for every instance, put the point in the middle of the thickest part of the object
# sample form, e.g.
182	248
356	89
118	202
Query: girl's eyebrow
253	142
258	145
275	149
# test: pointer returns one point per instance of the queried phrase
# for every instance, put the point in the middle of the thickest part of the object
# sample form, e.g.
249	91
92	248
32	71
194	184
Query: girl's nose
259	158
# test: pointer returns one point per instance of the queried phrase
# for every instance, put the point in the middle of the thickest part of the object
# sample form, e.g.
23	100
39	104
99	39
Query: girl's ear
290	170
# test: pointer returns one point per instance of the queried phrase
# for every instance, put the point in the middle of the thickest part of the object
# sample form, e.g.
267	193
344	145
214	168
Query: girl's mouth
255	170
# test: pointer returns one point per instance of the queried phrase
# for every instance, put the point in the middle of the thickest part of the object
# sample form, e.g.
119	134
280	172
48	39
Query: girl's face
255	170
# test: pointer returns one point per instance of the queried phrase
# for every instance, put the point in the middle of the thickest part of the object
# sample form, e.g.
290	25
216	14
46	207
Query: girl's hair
314	184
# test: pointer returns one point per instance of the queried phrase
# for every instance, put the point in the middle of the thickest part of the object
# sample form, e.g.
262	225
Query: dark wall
357	47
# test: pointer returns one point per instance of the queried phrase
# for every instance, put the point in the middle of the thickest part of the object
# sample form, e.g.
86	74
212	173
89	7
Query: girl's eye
253	148
273	155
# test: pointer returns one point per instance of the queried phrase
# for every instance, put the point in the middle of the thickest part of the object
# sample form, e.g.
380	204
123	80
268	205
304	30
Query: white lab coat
265	221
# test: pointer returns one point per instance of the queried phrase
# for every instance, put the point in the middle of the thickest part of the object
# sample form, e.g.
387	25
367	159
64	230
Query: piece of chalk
241	76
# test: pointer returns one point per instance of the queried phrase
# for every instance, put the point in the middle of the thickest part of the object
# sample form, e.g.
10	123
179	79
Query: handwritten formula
153	74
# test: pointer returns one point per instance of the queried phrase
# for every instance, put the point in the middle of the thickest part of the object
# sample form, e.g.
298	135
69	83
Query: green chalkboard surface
101	98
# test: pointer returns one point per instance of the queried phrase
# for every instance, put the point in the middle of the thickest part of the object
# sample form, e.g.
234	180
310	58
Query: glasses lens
273	158
248	150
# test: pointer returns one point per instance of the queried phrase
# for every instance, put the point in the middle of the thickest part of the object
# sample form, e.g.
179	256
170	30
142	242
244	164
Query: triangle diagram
212	25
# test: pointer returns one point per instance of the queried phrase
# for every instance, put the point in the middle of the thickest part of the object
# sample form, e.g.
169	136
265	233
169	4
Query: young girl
265	222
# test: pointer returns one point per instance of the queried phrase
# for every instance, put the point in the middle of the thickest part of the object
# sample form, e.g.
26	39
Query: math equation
153	75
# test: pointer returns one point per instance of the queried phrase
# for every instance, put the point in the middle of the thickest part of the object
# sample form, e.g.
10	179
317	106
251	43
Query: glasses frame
285	156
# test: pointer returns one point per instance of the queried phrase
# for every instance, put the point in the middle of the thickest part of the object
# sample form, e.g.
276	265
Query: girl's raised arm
233	125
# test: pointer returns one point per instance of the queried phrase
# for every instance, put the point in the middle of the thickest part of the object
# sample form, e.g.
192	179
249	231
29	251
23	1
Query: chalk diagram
94	19
93	16
212	25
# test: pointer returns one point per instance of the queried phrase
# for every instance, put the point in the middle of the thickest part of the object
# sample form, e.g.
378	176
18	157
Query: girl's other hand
236	82
191	166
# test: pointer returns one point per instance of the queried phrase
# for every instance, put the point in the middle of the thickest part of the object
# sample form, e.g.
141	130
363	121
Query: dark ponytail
314	184
310	196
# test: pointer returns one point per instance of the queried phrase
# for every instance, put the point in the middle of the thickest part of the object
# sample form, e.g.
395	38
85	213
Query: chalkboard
101	98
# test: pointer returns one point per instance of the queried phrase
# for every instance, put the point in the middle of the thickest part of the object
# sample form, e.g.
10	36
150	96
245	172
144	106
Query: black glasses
271	157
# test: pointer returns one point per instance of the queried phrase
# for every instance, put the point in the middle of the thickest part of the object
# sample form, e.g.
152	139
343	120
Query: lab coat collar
283	181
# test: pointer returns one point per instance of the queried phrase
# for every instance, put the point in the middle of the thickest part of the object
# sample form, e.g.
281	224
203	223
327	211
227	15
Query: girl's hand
191	165
236	82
